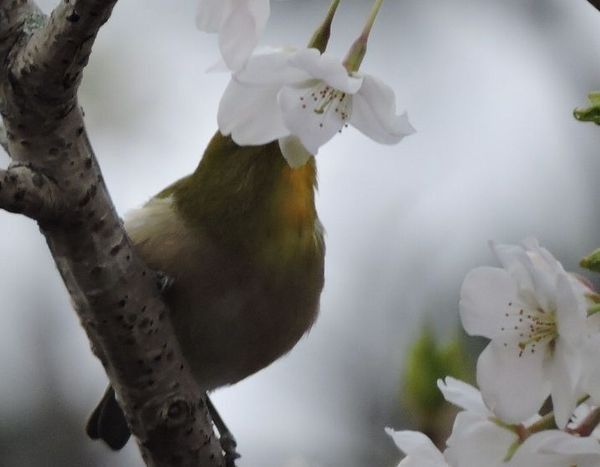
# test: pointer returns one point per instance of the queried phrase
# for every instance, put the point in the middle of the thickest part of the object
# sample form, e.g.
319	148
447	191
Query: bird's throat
249	199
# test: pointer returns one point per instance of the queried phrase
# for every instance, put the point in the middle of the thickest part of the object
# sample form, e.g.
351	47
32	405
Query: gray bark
55	179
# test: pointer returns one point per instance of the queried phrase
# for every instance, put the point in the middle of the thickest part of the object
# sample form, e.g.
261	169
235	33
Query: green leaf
591	113
591	261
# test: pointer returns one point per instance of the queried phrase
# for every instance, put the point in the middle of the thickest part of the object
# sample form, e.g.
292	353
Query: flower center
531	326
324	99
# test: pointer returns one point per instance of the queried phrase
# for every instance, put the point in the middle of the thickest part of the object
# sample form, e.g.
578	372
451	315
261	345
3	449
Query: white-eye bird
241	239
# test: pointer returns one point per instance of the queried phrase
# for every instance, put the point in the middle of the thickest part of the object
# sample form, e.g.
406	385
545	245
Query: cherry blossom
303	98
535	315
478	437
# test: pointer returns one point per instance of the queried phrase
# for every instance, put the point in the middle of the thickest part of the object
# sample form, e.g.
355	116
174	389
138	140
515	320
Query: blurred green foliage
591	113
428	360
591	261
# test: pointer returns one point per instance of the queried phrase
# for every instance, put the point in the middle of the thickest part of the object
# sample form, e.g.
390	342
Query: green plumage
237	195
243	243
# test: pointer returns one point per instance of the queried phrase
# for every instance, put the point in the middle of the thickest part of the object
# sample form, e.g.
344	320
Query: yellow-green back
251	202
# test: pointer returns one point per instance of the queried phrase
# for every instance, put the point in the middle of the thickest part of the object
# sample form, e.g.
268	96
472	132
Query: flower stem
321	36
511	450
372	17
357	52
547	422
588	425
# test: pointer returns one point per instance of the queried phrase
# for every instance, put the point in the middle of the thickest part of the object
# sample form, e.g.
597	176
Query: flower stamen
327	99
533	327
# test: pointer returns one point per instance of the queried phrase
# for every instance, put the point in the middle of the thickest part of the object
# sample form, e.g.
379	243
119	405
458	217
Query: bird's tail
108	422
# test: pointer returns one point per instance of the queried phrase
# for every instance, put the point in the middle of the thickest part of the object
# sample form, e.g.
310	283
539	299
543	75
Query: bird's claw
226	439
163	282
229	445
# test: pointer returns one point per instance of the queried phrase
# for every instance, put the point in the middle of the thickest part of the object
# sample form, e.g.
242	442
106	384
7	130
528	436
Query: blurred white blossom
479	439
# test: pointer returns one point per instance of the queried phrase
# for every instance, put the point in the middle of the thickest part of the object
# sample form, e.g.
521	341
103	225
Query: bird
242	243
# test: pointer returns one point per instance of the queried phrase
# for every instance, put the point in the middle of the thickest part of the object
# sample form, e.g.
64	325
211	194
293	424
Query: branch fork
54	178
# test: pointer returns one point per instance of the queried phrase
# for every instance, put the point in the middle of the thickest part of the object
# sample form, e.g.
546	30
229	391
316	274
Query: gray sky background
490	86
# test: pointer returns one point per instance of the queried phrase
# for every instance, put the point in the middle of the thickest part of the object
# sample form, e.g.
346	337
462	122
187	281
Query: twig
25	191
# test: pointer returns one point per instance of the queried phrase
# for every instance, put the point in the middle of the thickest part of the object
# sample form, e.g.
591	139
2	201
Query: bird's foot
226	438
229	445
163	282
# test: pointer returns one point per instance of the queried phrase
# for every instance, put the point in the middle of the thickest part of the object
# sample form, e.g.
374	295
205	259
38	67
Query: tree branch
113	292
26	191
595	3
15	18
52	61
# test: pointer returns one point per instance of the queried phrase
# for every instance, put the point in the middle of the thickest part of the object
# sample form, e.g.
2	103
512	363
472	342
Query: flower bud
320	38
591	113
591	261
357	52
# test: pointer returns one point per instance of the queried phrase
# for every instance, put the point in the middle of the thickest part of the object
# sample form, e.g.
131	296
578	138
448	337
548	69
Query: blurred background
490	86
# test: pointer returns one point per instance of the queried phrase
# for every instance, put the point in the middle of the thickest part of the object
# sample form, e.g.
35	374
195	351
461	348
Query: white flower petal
512	258
571	309
463	395
327	68
211	14
559	442
530	243
534	270
477	442
302	119
484	299
238	114
271	68
374	113
294	153
241	30
514	388
544	280
420	451
261	10
555	448
240	24
542	269
564	370
526	456
591	368
551	263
